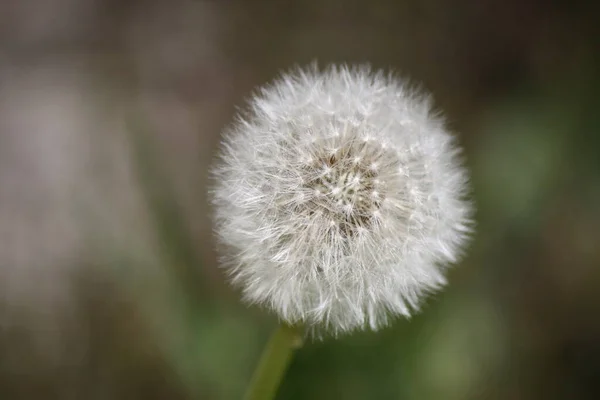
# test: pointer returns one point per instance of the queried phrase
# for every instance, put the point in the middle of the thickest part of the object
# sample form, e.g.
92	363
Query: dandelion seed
380	210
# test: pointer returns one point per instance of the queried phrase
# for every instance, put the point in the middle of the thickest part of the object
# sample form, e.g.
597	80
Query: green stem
274	361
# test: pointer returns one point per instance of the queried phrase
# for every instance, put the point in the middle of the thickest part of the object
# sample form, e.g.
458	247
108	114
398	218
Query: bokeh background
110	114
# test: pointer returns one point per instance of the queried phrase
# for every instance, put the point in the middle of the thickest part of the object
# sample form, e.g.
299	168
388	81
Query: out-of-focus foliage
110	112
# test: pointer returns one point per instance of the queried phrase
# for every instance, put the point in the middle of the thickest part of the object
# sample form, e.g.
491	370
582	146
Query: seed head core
345	183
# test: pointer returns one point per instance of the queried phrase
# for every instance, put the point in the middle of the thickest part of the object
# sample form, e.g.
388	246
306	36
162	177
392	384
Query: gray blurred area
110	114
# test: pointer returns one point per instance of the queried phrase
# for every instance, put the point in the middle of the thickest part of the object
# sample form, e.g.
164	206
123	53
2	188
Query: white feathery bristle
341	199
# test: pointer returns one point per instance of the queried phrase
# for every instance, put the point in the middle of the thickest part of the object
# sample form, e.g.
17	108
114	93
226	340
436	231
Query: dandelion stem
274	361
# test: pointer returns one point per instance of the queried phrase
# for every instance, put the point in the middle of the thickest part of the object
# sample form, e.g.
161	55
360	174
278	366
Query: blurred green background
110	114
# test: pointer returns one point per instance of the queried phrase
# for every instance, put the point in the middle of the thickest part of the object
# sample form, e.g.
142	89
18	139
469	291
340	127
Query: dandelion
340	197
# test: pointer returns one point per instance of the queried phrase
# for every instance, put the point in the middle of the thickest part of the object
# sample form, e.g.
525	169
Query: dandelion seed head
340	198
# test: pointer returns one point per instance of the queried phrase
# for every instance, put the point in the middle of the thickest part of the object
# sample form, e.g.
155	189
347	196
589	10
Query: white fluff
340	199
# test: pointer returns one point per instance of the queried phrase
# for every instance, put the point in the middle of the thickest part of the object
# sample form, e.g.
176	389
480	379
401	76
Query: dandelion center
346	185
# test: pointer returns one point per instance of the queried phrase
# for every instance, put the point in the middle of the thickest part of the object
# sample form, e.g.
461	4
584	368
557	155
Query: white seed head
340	198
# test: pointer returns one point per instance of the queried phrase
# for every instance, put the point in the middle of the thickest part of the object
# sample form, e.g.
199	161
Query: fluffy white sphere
340	198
